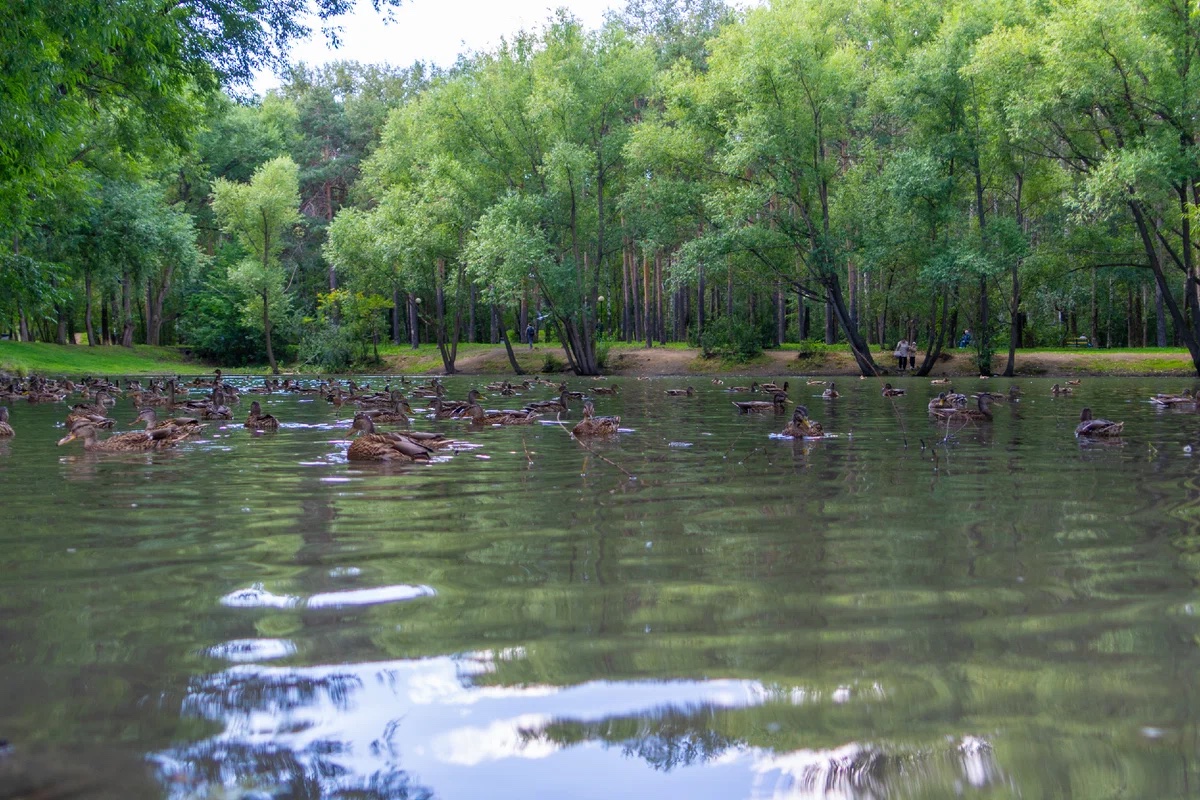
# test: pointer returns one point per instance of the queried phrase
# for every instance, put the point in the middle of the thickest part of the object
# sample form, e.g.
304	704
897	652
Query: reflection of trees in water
676	738
212	696
205	769
208	767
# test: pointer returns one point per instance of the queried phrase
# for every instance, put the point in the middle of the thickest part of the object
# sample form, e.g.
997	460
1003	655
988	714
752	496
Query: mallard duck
940	382
1056	390
1088	426
717	382
831	392
982	413
774	387
1171	400
258	421
185	425
97	409
95	420
604	389
562	387
1073	383
688	392
817	383
372	446
940	403
592	425
131	442
801	426
550	406
397	414
753	387
6	430
778	404
513	417
215	407
888	391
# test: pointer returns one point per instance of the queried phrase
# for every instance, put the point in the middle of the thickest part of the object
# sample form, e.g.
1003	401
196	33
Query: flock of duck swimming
392	407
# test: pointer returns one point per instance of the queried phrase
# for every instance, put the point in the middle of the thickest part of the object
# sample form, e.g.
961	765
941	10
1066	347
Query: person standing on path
912	355
529	334
901	354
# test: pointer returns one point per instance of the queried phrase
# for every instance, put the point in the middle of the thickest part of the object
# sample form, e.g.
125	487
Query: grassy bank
22	358
621	359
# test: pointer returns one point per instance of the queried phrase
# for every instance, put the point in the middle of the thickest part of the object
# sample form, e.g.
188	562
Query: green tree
260	214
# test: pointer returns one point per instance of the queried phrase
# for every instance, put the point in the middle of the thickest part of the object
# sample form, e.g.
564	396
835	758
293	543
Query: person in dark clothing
530	333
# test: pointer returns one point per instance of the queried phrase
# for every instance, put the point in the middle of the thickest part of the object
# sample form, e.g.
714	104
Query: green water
888	612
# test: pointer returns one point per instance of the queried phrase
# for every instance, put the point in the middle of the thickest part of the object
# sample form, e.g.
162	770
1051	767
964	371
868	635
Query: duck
606	389
95	420
591	425
982	413
831	392
215	408
817	383
888	391
688	392
753	387
943	381
372	446
777	404
1073	383
130	442
397	414
1171	400
940	403
511	417
258	421
1056	390
801	426
1089	426
550	406
186	425
773	388
6	430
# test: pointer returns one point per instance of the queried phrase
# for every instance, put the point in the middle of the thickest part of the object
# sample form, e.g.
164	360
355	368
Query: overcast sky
435	31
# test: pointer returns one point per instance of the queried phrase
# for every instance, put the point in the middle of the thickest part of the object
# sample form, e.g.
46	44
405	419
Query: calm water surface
888	612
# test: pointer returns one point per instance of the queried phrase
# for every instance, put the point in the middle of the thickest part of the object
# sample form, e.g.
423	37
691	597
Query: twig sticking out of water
737	439
525	447
900	419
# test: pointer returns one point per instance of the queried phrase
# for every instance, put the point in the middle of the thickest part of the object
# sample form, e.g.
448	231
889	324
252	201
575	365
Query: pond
693	608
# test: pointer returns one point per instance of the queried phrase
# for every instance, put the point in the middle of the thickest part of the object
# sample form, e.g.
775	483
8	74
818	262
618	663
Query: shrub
329	348
733	339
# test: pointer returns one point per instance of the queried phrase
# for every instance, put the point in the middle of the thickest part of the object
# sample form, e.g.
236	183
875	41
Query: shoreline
632	360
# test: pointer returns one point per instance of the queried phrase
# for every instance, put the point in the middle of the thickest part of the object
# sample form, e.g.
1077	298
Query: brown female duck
831	393
801	427
258	421
372	446
1089	426
889	391
131	442
591	425
550	406
188	426
478	416
6	430
778	404
983	412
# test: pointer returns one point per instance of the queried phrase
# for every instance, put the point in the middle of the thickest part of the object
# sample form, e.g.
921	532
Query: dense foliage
844	170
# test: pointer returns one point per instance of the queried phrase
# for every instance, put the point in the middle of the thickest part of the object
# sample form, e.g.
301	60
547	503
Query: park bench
1079	341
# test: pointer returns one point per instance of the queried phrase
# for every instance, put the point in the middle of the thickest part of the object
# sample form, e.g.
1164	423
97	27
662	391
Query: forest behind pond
849	172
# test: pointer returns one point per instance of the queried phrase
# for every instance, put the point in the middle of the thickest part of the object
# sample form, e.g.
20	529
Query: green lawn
76	360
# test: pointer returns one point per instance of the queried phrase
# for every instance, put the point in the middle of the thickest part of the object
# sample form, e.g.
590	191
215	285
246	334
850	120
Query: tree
260	214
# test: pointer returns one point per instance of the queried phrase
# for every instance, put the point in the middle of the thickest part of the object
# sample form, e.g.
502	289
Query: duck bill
70	437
